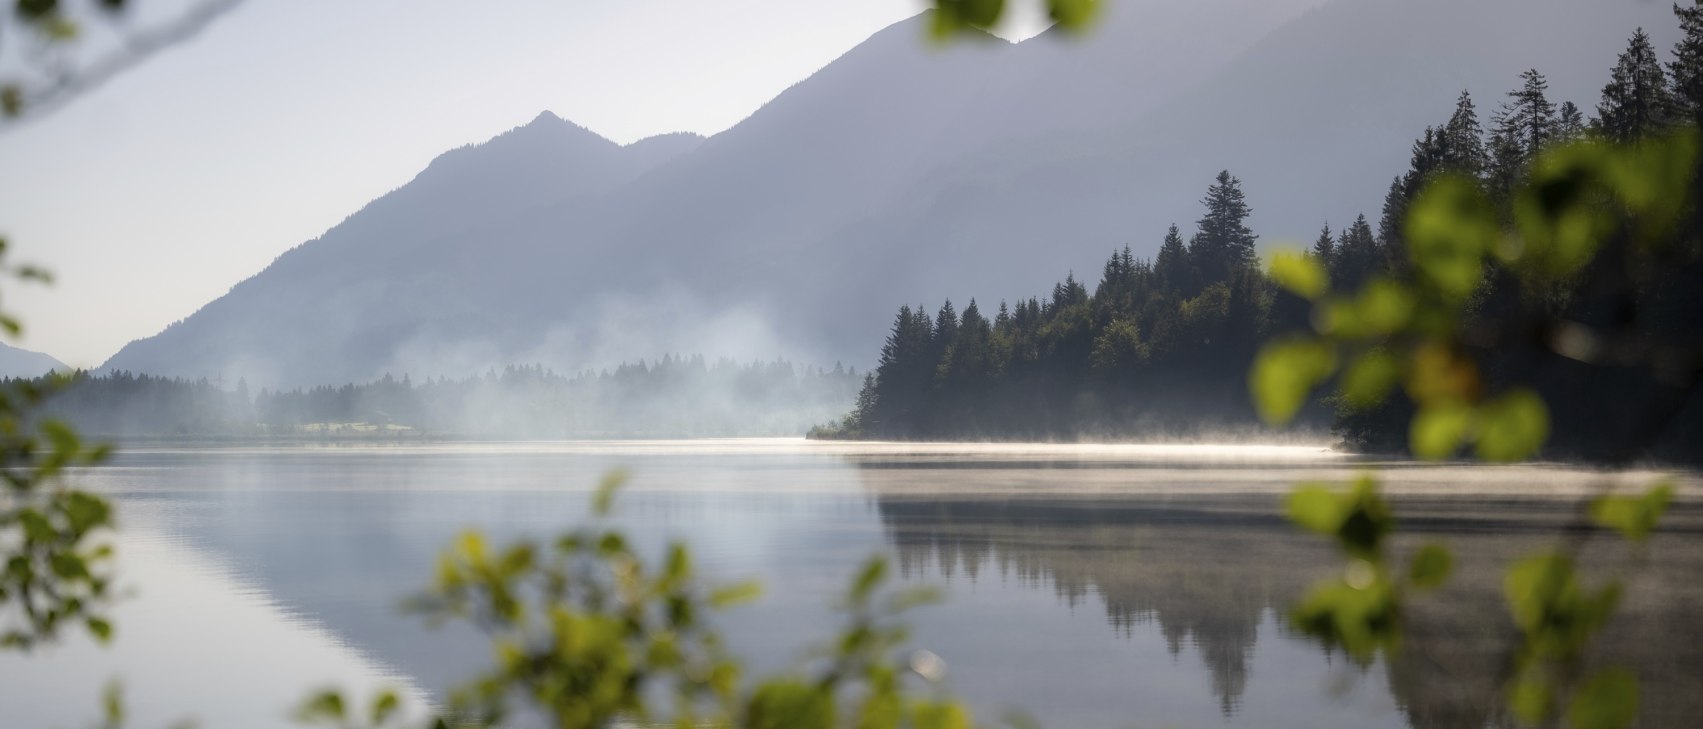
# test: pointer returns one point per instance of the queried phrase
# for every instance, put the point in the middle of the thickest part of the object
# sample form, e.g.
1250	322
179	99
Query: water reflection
1093	587
1209	570
195	642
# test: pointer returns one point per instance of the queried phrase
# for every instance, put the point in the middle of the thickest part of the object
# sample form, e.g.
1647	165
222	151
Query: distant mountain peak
545	117
19	362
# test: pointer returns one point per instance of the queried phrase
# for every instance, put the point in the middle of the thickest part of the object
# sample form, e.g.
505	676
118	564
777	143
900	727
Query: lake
1087	586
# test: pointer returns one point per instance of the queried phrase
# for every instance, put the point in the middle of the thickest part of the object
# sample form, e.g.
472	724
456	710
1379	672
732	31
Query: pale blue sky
157	192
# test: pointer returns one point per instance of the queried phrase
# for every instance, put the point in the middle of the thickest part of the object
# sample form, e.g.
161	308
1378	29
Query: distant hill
18	362
896	173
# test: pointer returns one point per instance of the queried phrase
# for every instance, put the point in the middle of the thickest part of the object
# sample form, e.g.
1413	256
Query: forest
671	397
1162	346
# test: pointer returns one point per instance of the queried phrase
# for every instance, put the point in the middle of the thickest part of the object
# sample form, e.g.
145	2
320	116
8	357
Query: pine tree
1528	117
1507	159
1325	247
1394	213
1463	140
1358	255
970	355
945	327
1172	264
1223	243
946	322
1687	66
1569	123
1635	103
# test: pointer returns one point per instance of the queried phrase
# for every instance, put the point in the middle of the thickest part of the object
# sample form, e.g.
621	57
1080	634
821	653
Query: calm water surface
1089	586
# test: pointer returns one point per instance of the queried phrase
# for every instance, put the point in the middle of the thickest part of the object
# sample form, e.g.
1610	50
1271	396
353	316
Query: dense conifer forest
672	397
1161	346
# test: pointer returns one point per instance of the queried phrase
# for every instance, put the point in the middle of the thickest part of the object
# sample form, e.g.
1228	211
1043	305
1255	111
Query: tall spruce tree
1393	214
1223	243
1358	255
1507	161
1569	123
1172	264
1463	149
1528	115
1636	102
945	331
1687	65
1325	247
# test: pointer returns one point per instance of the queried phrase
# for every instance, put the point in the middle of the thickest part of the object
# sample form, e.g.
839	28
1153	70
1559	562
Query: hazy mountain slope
898	173
337	306
550	244
18	362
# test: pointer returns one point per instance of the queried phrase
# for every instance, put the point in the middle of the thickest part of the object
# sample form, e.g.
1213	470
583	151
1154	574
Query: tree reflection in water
1206	568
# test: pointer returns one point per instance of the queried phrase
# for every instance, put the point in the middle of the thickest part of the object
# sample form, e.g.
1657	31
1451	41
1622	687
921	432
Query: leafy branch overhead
959	16
59	49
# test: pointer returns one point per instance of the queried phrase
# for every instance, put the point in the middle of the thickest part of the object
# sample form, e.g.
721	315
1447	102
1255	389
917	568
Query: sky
157	192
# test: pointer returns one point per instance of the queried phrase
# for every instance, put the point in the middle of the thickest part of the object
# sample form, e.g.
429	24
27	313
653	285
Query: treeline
672	397
1163	345
1158	346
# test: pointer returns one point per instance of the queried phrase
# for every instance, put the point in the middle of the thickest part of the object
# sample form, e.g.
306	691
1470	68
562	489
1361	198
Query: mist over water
1091	585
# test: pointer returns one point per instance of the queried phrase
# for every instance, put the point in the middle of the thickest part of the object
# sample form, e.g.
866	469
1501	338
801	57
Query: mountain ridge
896	172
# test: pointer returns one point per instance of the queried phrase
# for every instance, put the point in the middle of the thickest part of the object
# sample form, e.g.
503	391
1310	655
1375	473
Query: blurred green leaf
1437	373
1450	228
941	715
1438	429
325	706
1609	700
736	594
35	10
1512	427
1635	517
788	704
1559	212
1368	380
1316	508
1073	14
868	578
384	706
1383	307
1530	697
100	629
952	16
1430	566
1300	273
1285	373
1654	178
112	704
604	500
1534	584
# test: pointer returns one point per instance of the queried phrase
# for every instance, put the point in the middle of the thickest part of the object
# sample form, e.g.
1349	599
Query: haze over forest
896	174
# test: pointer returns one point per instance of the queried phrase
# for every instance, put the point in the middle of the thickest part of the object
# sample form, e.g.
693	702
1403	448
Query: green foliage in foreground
52	565
589	633
1582	203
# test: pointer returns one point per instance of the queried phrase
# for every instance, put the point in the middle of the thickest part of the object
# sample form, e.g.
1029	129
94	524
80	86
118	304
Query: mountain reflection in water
1097	586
